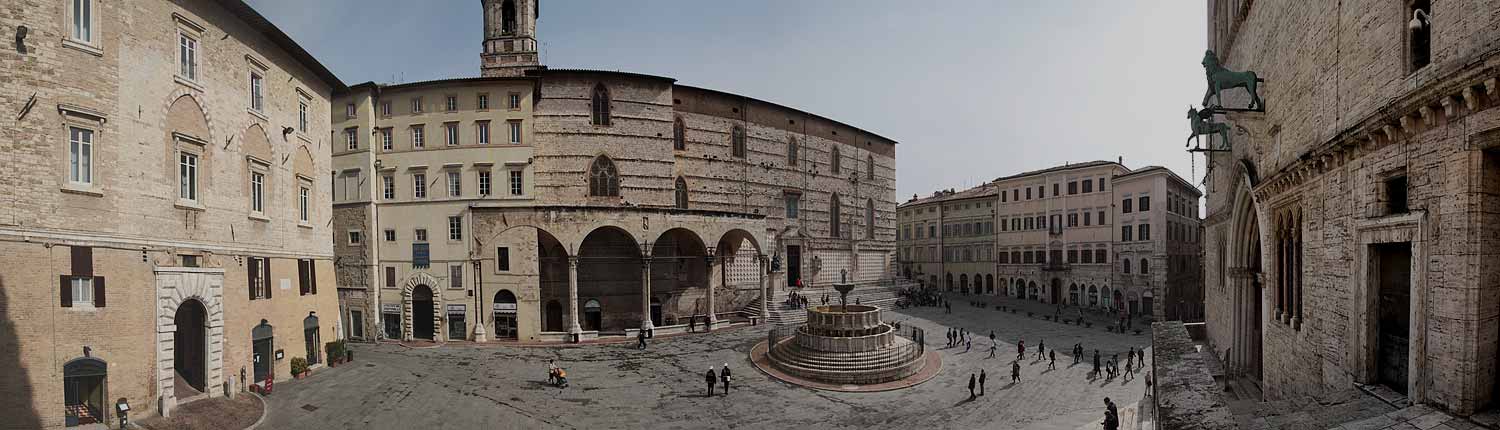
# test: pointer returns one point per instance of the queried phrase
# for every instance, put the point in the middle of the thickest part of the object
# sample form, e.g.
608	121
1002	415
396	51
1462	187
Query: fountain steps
845	362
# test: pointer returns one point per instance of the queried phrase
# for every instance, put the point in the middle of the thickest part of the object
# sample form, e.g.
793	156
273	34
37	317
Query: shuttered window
80	285
307	280
258	273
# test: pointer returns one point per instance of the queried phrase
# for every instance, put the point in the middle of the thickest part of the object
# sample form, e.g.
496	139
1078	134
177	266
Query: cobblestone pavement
617	386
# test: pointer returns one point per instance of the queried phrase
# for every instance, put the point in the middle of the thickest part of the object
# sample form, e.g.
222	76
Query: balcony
1056	266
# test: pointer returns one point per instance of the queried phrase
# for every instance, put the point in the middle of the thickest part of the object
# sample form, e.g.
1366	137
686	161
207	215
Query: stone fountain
846	344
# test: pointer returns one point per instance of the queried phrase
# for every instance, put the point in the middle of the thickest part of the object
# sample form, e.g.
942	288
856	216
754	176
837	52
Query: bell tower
509	37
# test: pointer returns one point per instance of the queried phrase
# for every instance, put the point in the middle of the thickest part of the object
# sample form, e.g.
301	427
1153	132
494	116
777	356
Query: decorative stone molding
175	285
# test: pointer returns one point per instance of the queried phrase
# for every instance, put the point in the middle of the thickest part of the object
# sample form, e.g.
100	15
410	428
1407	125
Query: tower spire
510	47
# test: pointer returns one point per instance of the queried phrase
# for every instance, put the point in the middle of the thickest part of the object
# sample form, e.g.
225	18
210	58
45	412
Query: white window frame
517	182
350	111
390	235
450	103
455	228
258	92
83	290
388	187
450	133
515	131
455	184
419	185
456	276
416	105
482	132
484	183
356	237
351	138
82	27
304	201
188	164
385	108
514	101
417	136
387	142
188	46
81	155
301	114
261	170
419	235
482	101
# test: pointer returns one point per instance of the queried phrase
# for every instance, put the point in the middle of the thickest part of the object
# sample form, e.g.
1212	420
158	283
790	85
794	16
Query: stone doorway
1056	291
200	326
189	345
505	315
794	265
1393	283
264	342
421	313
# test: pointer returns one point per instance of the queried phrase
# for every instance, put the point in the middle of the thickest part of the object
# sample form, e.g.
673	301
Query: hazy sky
972	89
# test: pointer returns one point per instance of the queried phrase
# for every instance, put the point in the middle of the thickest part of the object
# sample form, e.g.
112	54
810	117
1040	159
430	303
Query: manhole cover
309	408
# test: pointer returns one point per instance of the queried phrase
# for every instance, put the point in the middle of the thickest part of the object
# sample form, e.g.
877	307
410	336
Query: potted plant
299	367
335	352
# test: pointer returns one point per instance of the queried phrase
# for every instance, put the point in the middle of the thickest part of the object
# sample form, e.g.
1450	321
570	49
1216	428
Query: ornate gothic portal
1246	285
189	304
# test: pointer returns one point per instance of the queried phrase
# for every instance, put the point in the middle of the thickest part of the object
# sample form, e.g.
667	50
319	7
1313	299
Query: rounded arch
415	279
1031	290
1093	295
190	343
187	117
604	177
609	268
256	143
1145	266
734	238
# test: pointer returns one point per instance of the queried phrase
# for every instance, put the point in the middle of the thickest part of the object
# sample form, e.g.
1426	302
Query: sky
971	89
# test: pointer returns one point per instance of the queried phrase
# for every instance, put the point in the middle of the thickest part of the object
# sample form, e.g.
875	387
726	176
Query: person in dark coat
711	379
1096	362
1041	348
1015	371
724	377
971	386
692	323
1052	365
640	339
1111	416
981	382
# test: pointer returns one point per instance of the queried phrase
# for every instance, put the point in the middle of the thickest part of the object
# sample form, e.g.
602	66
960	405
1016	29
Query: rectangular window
80	155
419	185
188	176
386	141
1072	256
356	237
1395	196
482	132
83	21
482	101
455	184
388	187
187	58
515	182
357	324
416	137
349	111
484	183
419	235
307	281
82	289
390	235
258	271
1072	220
792	202
1125	233
385	108
304	203
351	137
301	114
451	103
502	259
1420	35
456	276
1125	206
390	277
1101	218
451	132
455	228
1101	185
514	102
1056	190
1145	204
1072	187
1003	196
257	92
1088	186
257	192
1028	193
416	105
1144	231
1086	219
515	131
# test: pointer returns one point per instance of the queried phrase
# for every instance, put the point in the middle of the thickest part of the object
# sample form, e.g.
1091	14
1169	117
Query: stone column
573	329
646	294
715	268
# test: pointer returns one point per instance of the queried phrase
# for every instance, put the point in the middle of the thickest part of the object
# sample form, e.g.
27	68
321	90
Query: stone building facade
1350	224
1078	234
164	215
621	201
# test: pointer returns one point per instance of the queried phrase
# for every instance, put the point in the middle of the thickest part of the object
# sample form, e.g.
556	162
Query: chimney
1121	160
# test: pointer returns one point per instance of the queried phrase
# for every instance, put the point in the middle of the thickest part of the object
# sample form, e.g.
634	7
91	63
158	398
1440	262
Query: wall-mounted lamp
1419	18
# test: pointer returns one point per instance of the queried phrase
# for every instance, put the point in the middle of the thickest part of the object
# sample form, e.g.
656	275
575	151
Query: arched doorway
554	317
978	283
1247	289
656	319
421	312
989	284
1031	291
262	339
679	266
950	282
1119	299
505	315
963	283
1056	290
1093	296
1073	294
190	348
312	338
593	315
83	391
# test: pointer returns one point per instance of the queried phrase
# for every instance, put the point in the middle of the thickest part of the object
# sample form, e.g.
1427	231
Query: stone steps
860	361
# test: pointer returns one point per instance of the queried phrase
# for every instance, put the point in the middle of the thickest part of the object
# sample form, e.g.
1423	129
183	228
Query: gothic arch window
834	227
679	134
604	180
791	151
870	167
600	104
833	160
682	195
737	141
1145	267
1125	266
869	218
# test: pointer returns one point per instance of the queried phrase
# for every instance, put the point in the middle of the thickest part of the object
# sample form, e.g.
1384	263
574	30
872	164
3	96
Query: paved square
617	386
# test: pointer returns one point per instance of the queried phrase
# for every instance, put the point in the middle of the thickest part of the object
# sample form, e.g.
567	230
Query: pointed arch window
737	141
835	228
682	193
604	180
870	167
679	134
869	218
791	151
833	160
600	104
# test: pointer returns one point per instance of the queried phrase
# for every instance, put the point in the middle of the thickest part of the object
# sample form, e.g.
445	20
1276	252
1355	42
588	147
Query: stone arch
1247	228
407	325
173	289
185	115
609	270
86	379
679	272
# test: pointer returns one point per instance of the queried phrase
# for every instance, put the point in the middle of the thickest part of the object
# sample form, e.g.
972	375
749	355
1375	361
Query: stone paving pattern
617	386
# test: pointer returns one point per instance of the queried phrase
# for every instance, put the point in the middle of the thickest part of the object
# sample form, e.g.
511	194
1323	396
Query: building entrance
1393	266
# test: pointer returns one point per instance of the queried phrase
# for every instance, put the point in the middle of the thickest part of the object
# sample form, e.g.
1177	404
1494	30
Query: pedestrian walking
1096	362
692	323
1148	382
1052	363
1021	350
947	307
711	378
992	335
981	382
993	347
640	339
1111	416
1128	370
1129	359
1077	352
1141	353
971	386
968	344
1015	371
724	377
1041	347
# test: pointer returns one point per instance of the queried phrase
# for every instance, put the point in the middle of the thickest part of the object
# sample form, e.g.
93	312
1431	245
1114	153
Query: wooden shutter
302	285
312	275
390	277
98	291
83	260
67	291
251	270
265	274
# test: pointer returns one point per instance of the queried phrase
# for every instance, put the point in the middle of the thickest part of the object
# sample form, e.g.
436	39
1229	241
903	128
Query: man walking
971	386
981	382
993	346
1096	362
1077	352
1015	371
1021	350
1041	347
1129	359
724	376
640	339
1111	416
992	336
1052	364
692	323
711	378
968	344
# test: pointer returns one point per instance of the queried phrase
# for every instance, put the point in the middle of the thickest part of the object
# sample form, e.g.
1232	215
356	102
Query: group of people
713	378
922	296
